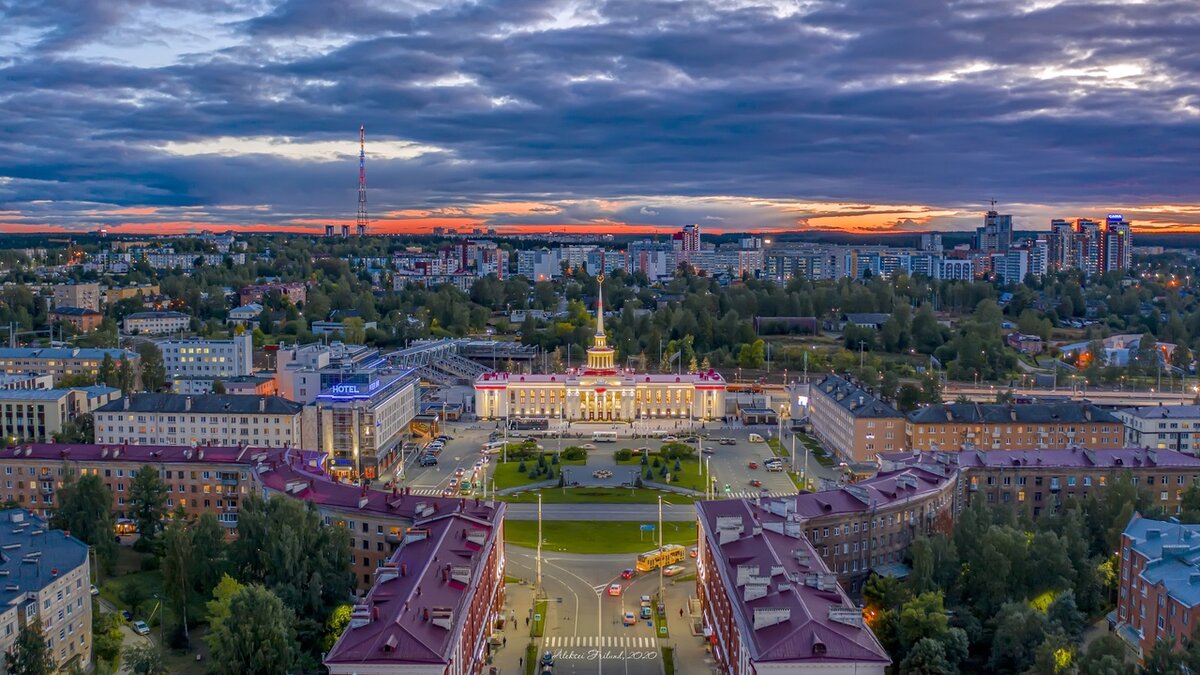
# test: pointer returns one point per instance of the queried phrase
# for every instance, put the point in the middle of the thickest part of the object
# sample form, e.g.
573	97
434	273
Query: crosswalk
595	641
427	492
751	494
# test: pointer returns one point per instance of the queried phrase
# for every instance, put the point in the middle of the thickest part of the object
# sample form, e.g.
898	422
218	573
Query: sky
608	116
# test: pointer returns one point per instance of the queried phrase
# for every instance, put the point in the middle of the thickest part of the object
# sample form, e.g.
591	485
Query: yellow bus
660	557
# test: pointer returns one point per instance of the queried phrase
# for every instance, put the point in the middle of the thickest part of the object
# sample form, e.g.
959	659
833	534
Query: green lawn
506	474
531	657
594	537
690	475
818	453
538	627
597	495
668	657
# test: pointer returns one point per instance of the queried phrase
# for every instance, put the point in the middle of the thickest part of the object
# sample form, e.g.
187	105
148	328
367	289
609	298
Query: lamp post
661	597
539	546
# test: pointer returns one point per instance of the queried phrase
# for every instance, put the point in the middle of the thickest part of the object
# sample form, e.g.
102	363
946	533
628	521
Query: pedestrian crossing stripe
426	492
747	494
595	641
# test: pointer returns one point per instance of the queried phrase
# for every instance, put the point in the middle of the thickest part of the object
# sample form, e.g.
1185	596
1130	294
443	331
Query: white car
672	570
141	628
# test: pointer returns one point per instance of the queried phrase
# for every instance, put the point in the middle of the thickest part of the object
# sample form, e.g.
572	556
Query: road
584	627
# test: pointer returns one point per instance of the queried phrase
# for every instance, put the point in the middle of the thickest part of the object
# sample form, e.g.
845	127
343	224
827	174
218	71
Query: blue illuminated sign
1115	216
351	390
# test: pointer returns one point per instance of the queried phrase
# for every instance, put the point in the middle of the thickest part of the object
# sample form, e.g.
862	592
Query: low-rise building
246	315
60	362
999	426
47	579
156	323
36	415
1171	427
296	292
216	419
115	295
1026	344
432	607
853	422
769	602
1158	590
81	318
26	381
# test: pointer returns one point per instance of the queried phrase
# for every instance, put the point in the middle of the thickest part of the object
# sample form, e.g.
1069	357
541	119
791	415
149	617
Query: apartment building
60	362
1171	427
429	618
206	360
868	526
852	422
1158	592
81	318
954	426
1040	480
84	296
769	603
216	419
36	415
295	292
47	579
116	294
156	323
26	381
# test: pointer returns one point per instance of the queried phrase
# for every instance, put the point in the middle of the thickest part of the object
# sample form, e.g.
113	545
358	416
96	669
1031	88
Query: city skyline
576	117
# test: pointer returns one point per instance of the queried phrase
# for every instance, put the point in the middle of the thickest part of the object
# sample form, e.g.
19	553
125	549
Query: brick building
852	422
952	426
1158	596
769	603
296	292
81	318
433	605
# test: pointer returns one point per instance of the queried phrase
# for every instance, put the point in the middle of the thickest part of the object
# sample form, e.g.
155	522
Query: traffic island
596	537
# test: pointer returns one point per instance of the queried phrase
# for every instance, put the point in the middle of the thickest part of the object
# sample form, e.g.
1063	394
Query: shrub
521	467
678	466
623	455
554	459
542	459
655	464
549	473
575	453
645	460
649	474
677	450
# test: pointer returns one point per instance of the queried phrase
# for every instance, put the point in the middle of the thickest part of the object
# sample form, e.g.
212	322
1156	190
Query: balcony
1055	486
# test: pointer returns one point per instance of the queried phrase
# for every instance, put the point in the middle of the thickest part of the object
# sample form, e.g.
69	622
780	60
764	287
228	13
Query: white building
1169	427
216	419
540	265
601	392
192	360
156	323
46	579
245	315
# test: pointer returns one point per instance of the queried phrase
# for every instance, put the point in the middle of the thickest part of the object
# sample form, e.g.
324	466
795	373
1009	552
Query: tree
922	566
1063	613
154	371
208	536
85	510
1105	656
177	556
144	659
353	330
885	592
147	501
257	637
126	377
106	636
30	655
218	387
335	625
923	617
284	545
1019	631
222	595
927	657
108	371
76	380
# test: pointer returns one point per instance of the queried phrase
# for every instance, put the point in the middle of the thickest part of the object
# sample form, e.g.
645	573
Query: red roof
141	454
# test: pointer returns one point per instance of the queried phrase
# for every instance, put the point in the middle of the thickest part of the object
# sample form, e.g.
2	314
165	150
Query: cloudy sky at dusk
170	115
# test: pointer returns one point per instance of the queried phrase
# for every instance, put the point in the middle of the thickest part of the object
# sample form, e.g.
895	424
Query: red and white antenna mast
361	225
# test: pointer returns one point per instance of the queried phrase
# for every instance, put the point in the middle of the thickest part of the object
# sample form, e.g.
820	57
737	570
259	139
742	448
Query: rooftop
96	353
203	403
1162	412
857	400
627	377
420	600
74	311
787	604
899	485
140	454
1003	413
33	556
1066	458
156	315
1172	551
94	391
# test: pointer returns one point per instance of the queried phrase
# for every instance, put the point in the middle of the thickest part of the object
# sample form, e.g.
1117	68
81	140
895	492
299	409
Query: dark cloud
571	103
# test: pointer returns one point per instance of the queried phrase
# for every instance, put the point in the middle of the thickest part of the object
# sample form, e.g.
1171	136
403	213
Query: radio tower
361	226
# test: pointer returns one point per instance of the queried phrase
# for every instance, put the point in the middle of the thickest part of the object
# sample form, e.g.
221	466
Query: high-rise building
1117	250
84	296
1087	245
996	233
1060	245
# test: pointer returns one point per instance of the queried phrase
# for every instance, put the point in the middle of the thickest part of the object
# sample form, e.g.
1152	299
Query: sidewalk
518	603
690	656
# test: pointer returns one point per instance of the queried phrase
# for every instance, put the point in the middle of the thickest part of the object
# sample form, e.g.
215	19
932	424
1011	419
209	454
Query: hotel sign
352	390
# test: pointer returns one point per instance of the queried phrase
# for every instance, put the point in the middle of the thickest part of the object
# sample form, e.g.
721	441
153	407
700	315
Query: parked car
95	591
614	589
627	573
670	439
429	460
141	628
672	570
645	611
629	619
126	615
728	441
752	465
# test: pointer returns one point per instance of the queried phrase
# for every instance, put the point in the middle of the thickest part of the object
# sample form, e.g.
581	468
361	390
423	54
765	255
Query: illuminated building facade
601	392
